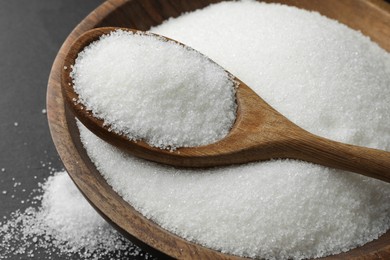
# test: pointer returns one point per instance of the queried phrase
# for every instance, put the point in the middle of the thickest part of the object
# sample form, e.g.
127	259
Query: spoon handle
366	161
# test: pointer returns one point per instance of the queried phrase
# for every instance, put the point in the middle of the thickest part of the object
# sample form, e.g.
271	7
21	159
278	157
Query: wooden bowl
372	17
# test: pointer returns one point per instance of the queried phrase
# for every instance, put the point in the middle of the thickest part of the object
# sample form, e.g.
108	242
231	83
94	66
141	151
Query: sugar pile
65	223
325	77
156	90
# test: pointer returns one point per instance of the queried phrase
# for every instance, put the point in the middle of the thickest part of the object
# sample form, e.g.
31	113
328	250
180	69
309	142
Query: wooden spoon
259	133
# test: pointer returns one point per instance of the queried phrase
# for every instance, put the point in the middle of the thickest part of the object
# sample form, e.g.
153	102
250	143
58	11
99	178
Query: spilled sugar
324	76
66	224
156	90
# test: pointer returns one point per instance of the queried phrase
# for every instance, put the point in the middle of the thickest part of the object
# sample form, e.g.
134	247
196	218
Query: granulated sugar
156	90
325	77
66	224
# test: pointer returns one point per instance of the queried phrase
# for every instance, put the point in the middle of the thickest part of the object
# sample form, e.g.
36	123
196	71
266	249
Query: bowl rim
137	228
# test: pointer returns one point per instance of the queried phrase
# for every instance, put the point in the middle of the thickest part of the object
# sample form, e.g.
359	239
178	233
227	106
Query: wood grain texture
259	132
370	16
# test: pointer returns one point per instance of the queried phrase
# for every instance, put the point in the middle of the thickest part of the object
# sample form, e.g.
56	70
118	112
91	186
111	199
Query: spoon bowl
259	132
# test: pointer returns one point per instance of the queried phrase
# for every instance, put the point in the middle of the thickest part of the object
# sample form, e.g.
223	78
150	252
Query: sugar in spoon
259	133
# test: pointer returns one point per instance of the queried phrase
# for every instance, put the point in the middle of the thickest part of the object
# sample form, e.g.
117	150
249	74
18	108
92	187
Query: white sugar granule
65	223
151	89
325	77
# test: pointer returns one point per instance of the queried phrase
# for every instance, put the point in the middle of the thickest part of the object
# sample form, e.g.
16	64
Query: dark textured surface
33	31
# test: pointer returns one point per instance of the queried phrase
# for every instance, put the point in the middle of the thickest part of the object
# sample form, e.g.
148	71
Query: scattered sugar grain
16	123
147	88
44	111
65	223
324	76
